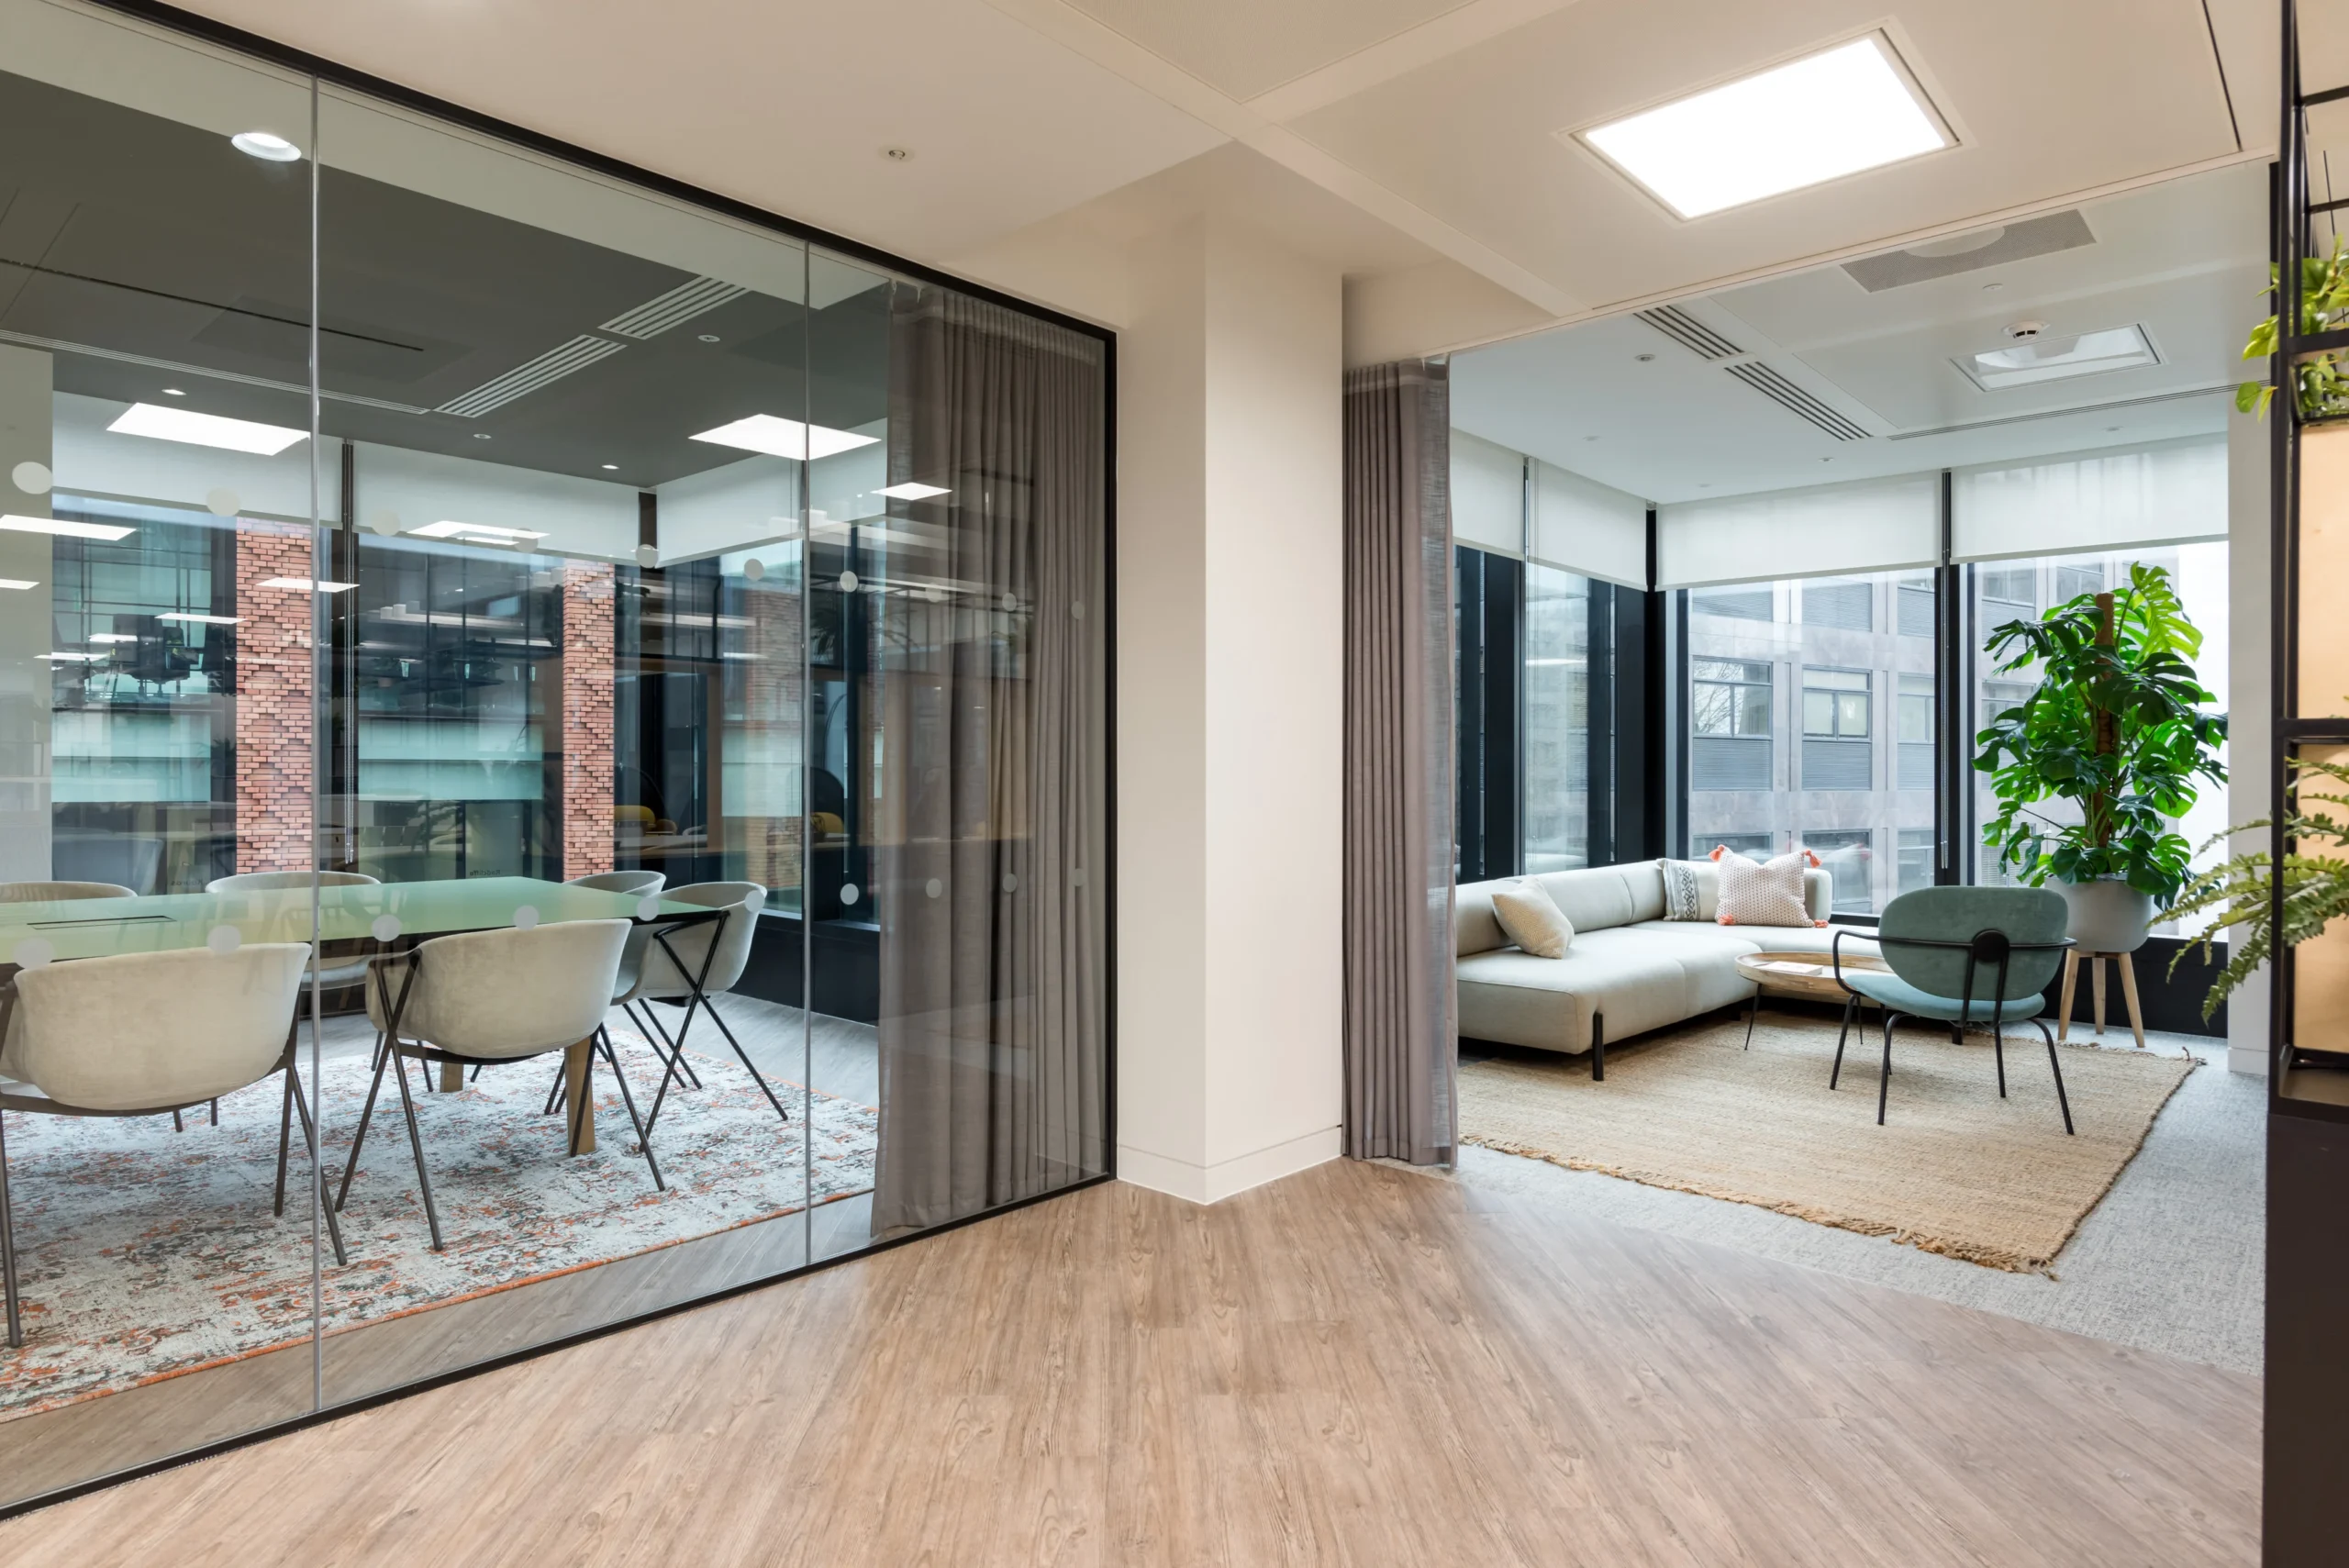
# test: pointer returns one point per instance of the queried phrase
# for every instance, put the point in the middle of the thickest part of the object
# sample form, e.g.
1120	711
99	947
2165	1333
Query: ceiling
1630	405
1437	120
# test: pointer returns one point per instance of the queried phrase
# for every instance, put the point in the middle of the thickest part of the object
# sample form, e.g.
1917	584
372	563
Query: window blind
2169	493
1835	530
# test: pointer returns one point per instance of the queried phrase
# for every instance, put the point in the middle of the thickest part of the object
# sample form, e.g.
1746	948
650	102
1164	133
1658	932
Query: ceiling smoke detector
2024	331
897	154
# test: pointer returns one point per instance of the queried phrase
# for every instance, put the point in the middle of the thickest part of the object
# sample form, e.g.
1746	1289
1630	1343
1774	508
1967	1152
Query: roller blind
1487	493
1586	527
2162	494
1874	525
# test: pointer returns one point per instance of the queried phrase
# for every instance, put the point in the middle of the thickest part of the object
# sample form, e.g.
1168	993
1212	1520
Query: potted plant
2325	306
2243	888
2117	728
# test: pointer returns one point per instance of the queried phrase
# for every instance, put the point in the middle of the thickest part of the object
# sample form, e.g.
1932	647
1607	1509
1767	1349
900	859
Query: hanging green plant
2316	887
2325	306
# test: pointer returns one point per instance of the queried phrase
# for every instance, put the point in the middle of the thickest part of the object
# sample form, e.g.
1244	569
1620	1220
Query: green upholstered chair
1959	956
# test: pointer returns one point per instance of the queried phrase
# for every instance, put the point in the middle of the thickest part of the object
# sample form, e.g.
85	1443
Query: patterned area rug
144	1253
1954	1169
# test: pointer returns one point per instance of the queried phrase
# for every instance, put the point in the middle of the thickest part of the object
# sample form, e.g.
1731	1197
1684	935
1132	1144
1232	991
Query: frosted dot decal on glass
386	928
1076	608
32	478
223	940
1011	883
526	917
222	503
33	952
848	582
934	887
757	901
647	556
385	522
1010	603
1076	879
647	908
934	594
848	892
754	569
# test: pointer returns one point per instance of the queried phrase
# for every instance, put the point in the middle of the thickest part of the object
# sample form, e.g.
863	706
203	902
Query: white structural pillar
25	630
1229	731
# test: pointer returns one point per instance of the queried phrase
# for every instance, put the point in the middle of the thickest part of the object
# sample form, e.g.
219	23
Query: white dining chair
489	997
58	891
714	953
147	1033
621	881
333	971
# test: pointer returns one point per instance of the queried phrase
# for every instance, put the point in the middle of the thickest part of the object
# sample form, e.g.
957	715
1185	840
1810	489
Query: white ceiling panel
1247	47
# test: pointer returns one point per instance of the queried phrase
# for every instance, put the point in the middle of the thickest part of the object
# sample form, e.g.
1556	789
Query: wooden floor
1356	1365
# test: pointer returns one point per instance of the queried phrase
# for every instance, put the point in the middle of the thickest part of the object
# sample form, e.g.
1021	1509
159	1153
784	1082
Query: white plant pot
2107	915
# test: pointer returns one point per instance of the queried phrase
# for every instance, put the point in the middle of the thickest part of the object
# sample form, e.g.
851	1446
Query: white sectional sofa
1628	969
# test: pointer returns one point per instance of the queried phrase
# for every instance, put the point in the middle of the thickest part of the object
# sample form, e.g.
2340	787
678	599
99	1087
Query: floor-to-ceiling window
455	591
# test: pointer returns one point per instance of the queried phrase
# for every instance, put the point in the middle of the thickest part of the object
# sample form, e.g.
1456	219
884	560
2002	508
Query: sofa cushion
1593	899
1474	927
1768	892
1639	981
1770	939
1530	920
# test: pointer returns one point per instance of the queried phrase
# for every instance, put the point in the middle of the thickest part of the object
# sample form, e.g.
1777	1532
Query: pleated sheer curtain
1401	1039
989	663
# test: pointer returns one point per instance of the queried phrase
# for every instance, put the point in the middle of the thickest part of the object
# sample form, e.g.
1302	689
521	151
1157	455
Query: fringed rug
1955	1169
145	1253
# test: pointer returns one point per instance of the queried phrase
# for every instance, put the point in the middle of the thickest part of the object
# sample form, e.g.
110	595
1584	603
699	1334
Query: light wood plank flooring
1356	1365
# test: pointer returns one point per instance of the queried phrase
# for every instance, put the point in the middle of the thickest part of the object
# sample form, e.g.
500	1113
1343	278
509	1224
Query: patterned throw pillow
1765	894
1531	918
1682	899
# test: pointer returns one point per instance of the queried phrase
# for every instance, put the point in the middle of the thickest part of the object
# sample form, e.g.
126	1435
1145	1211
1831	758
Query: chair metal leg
8	1242
358	1139
1883	1076
1599	1048
2061	1099
175	1123
749	1066
284	1139
643	1140
299	1102
659	1039
416	1142
1851	1010
554	1093
1998	1051
216	1113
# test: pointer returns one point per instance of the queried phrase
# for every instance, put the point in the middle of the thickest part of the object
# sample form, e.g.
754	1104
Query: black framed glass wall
595	614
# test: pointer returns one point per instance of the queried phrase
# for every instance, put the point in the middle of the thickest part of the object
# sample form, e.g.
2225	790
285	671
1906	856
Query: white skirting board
1213	1184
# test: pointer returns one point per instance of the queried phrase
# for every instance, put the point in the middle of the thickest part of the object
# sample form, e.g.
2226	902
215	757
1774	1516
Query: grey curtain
1401	1041
987	696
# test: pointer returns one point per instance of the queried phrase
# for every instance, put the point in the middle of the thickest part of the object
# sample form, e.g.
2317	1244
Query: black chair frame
1990	946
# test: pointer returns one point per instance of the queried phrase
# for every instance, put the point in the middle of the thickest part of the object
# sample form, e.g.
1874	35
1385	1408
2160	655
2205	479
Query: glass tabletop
95	927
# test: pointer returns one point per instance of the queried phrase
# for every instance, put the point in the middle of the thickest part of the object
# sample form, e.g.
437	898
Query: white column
25	629
1230	669
2250	624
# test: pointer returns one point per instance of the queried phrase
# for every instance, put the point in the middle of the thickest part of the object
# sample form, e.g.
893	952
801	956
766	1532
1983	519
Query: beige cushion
1592	899
1766	939
1638	980
146	1030
1768	894
1531	919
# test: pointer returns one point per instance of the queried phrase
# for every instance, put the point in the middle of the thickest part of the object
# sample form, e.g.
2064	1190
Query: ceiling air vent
1688	332
1793	398
551	366
1972	252
681	304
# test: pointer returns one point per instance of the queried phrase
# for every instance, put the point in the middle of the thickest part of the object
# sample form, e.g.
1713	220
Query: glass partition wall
652	663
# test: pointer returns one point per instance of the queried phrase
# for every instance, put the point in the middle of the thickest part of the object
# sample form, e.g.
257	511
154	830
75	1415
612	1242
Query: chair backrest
54	892
621	881
511	993
741	901
275	880
2032	918
153	1030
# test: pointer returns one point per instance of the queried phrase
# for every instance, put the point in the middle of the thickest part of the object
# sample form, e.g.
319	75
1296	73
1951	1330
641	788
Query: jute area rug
1954	1169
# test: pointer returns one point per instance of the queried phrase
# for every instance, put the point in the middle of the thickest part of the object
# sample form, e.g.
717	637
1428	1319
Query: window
1734	604
2010	588
1753	846
1847	667
1557	718
2071	582
1916	868
1916	606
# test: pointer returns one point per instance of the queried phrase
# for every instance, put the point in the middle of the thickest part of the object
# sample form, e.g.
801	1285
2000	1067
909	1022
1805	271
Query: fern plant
2242	889
2324	304
2117	727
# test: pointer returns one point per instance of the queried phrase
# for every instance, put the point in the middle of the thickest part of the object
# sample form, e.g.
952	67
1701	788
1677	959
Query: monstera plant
2325	306
2119	730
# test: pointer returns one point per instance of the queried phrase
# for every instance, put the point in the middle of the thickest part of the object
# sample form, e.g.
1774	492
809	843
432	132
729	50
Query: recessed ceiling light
64	527
304	584
203	619
1835	113
265	145
709	337
173	392
163	423
480	435
611	468
1644	359
2057	359
913	490
1992	288
17	582
478	533
112	637
73	658
778	437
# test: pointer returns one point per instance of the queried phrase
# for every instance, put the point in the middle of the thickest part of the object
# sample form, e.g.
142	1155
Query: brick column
277	723
588	606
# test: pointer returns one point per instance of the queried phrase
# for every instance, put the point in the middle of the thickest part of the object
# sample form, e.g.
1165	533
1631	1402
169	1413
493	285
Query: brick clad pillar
276	721
587	608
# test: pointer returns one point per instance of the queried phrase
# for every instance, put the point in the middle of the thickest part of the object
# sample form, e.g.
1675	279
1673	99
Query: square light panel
2058	358
913	490
18	582
205	429
304	585
779	436
1810	120
112	637
64	527
474	533
203	619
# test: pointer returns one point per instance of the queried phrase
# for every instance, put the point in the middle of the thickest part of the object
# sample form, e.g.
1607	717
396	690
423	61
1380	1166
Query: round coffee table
1809	975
